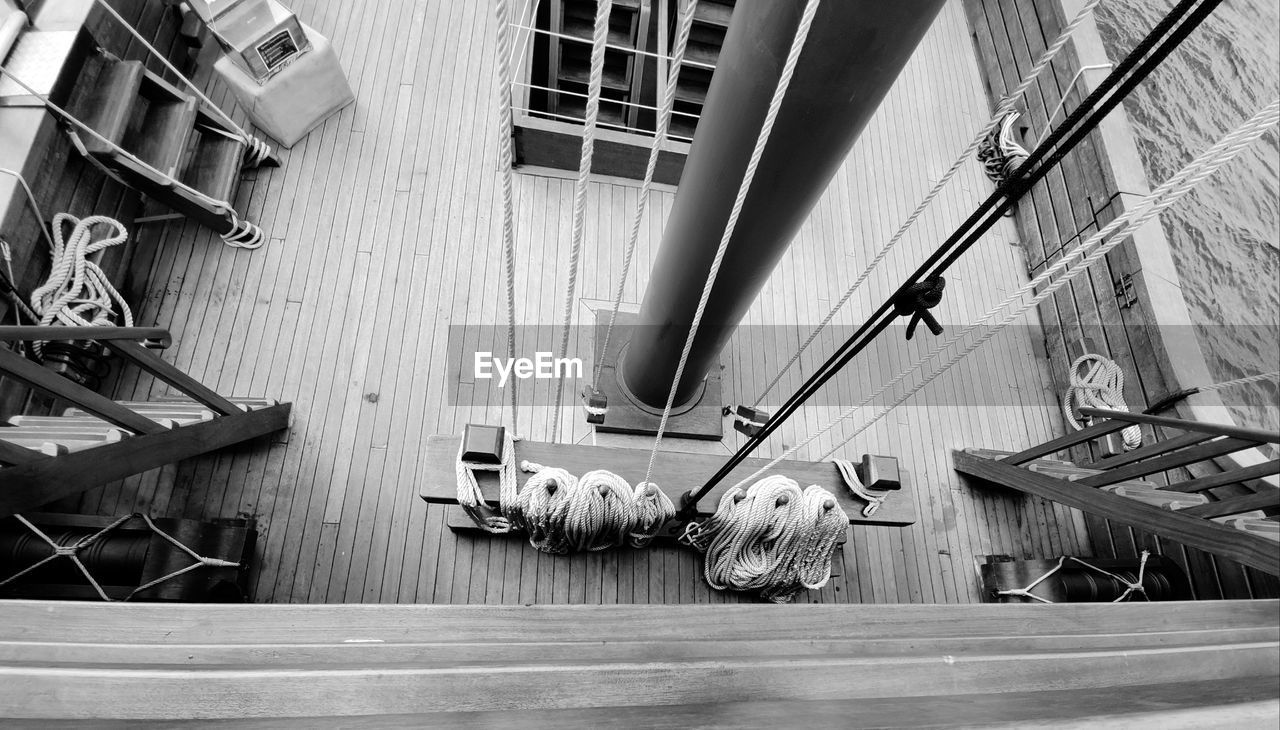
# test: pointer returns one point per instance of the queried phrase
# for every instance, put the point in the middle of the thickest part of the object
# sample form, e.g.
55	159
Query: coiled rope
772	539
1072	264
775	104
1006	105
599	37
77	292
1097	382
563	513
999	153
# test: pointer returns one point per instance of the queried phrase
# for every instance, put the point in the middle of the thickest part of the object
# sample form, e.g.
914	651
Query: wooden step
1001	454
108	107
161	141
613	77
153	409
575	107
248	403
713	13
1259	526
1156	497
584	28
179	418
215	166
708	53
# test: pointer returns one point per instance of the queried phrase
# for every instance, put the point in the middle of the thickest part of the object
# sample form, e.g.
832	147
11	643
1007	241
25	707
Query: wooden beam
157	336
1195	532
558	145
41	378
674	472
1062	443
166	372
1218	429
1184	457
1262	499
1149	451
1234	476
28	486
12	454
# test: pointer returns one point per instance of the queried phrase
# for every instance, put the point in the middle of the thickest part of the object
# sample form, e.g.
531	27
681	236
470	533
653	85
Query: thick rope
1006	105
71	552
563	513
505	161
851	480
78	292
659	140
1071	265
544	503
594	82
1130	588
775	104
772	539
472	499
1273	375
1097	382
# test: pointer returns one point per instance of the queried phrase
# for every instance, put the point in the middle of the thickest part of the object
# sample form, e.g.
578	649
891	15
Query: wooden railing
31	478
1165	465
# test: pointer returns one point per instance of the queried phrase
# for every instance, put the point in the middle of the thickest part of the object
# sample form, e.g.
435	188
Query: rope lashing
773	539
753	162
916	300
595	80
596	405
1000	154
1005	106
1097	382
599	510
1130	587
873	498
78	292
72	553
1072	264
243	234
472	500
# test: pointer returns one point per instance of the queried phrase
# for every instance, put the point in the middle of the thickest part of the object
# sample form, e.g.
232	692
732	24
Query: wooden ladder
1226	511
171	132
98	440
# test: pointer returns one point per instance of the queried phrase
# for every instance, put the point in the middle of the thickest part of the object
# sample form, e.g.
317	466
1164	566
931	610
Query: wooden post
854	53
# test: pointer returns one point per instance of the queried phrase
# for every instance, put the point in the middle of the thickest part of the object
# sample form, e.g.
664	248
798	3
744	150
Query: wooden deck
384	230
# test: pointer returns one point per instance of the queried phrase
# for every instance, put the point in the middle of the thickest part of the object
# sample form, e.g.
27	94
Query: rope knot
916	300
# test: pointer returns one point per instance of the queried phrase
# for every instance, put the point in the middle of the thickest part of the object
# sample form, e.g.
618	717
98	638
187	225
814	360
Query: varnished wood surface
1141	664
384	230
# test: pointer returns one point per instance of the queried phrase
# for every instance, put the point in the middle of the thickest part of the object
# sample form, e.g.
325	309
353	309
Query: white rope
659	139
78	292
851	480
243	135
775	104
1072	264
544	503
31	198
505	161
472	499
1273	375
563	513
1006	105
240	235
1130	587
594	82
1097	382
773	539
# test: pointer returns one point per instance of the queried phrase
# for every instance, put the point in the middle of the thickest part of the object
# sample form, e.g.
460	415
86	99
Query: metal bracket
1126	292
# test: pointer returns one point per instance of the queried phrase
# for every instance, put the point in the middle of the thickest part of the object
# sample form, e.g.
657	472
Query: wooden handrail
1062	443
41	378
1218	429
166	372
155	337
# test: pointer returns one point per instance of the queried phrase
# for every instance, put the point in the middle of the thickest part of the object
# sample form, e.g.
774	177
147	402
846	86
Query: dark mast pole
854	53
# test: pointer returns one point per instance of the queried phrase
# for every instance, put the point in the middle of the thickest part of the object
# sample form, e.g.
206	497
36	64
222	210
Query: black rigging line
1147	55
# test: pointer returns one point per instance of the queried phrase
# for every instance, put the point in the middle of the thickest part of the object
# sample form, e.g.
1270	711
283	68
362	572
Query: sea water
1225	236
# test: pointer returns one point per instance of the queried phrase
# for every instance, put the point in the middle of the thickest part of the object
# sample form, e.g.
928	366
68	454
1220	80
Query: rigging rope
77	292
659	139
599	36
1168	35
1006	106
508	204
1273	375
71	552
1101	385
775	104
1130	588
1072	264
772	538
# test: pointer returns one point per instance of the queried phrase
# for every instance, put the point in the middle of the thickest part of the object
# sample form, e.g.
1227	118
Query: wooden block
675	473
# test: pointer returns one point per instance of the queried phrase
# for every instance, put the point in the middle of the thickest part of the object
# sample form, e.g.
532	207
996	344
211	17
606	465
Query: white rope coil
544	503
563	513
773	539
78	292
1097	382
